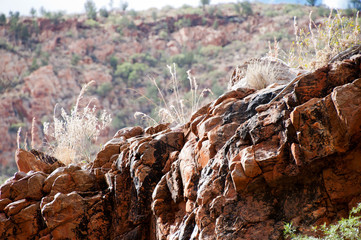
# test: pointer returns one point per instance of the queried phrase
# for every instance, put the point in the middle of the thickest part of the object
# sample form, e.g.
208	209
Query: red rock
15	207
64	214
129	132
26	162
3	203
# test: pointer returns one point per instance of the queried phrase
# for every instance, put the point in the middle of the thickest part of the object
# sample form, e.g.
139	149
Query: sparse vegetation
90	9
315	46
72	136
174	107
258	74
2	19
349	228
243	8
103	12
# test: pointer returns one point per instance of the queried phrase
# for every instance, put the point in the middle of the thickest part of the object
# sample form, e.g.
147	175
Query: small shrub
34	65
348	228
91	23
14	127
183	22
154	16
184	59
258	75
172	106
104	89
113	62
163	35
90	9
103	12
210	50
130	73
204	3
75	59
2	19
123	5
73	135
315	47
246	8
126	23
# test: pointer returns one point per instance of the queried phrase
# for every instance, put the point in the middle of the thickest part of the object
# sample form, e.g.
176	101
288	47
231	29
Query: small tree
356	4
90	9
311	2
103	12
123	5
2	19
33	12
204	3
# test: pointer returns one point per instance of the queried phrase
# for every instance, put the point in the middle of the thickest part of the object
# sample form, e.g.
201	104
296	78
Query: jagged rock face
238	170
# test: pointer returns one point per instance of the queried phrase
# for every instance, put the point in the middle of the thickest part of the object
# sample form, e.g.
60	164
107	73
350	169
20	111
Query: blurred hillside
46	60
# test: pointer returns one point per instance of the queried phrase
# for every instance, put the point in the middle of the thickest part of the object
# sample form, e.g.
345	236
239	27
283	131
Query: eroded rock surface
238	170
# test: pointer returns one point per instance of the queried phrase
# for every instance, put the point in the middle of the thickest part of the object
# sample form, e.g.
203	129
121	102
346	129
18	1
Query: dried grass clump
314	47
257	74
72	136
176	108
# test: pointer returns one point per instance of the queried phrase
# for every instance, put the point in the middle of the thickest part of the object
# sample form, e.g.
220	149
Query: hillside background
46	59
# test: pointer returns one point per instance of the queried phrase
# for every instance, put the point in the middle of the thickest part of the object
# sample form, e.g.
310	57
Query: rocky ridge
238	170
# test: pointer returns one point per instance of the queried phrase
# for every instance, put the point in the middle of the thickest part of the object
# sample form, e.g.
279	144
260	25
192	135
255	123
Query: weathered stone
3	203
64	214
26	162
15	207
129	132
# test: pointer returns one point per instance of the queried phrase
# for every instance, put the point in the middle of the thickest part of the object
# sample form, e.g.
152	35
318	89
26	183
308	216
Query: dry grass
258	74
314	47
72	137
174	108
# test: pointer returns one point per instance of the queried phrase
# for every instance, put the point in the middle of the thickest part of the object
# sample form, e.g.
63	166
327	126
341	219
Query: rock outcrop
238	170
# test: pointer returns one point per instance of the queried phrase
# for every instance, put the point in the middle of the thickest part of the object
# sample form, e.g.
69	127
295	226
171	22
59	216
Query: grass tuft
314	47
174	108
73	135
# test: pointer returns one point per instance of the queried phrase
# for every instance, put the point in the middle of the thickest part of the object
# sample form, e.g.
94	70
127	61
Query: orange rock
26	162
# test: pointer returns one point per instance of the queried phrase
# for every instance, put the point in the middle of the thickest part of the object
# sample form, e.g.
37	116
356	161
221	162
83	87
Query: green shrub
315	47
154	16
183	22
348	228
210	50
183	59
126	23
113	62
130	73
34	65
204	3
103	12
91	23
163	34
144	58
74	59
2	19
123	5
270	13
104	89
246	8
90	9
14	127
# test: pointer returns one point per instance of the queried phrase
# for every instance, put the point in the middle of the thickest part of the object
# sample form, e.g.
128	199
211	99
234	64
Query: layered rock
238	170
